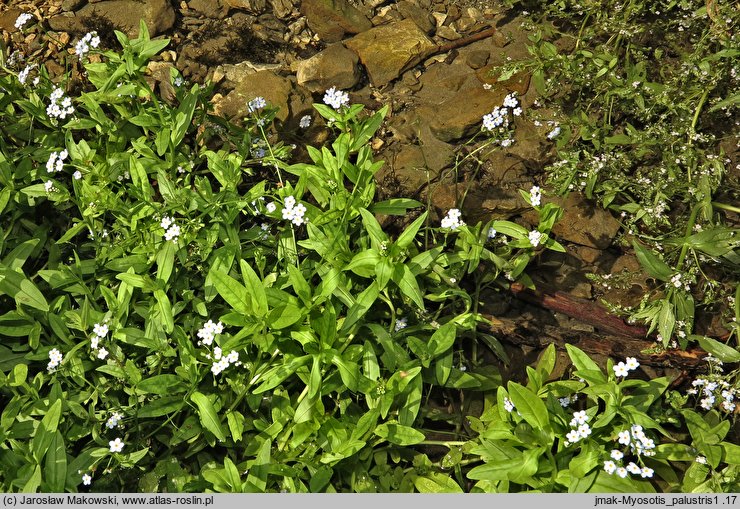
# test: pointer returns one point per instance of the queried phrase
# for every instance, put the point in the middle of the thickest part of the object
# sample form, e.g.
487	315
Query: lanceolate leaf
208	416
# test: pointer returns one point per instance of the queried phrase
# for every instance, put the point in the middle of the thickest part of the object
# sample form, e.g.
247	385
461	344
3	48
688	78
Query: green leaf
531	407
435	482
399	435
161	384
409	234
208	417
363	303
46	431
395	206
165	310
442	339
234	293
166	261
651	263
19	287
722	351
406	281
55	465
254	283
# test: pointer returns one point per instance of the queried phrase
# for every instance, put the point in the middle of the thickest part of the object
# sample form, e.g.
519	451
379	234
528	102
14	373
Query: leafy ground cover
187	307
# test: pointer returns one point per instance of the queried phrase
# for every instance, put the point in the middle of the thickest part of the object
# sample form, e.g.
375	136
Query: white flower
701	459
305	122
22	19
632	468
609	467
49	186
491	233
59	105
102	353
646	472
452	220
728	406
294	212
256	104
535	196
508	405
401	323
579	418
100	329
116	445
535	237
616	454
336	98
631	363
554	133
624	437
564	402
510	101
113	420
573	436
55	359
172	233
217	353
209	330
86	479
707	402
166	222
271	207
622	472
220	365
23	75
517	111
94	342
77	175
620	369
584	430
233	356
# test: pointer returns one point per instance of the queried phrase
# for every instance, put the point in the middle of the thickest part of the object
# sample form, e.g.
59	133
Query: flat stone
387	50
448	33
420	16
335	66
585	223
275	89
210	8
477	58
158	15
251	6
331	19
282	8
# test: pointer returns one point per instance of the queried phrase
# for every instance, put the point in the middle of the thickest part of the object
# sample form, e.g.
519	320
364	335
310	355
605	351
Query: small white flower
573	436
584	430
508	405
535	196
86	479
632	468
580	417
646	472
305	122
116	445
620	369
553	134
624	437
631	363
113	420
77	175
49	186
401	323
622	472
616	454
701	459
535	237
256	104
100	329
233	356
610	467
102	353
172	233
491	233
271	207
22	19
336	98
166	222
94	342
452	220
564	402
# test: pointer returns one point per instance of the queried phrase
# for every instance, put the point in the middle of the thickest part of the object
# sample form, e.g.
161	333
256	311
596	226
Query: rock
251	6
448	33
477	58
71	5
461	115
281	8
158	15
421	17
409	167
585	223
277	91
236	73
387	50
7	19
334	66
210	8
331	19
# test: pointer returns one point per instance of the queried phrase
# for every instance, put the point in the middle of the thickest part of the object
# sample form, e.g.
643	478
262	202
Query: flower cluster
401	324
682	281
116	445
554	133
49	186
256	104
336	98
638	442
59	106
580	426
565	401
208	332
508	405
100	330
452	220
499	119
623	368
535	237
113	420
55	359
56	161
90	40
23	75
221	361
535	196
294	212
22	19
305	122
715	392
610	467
172	230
